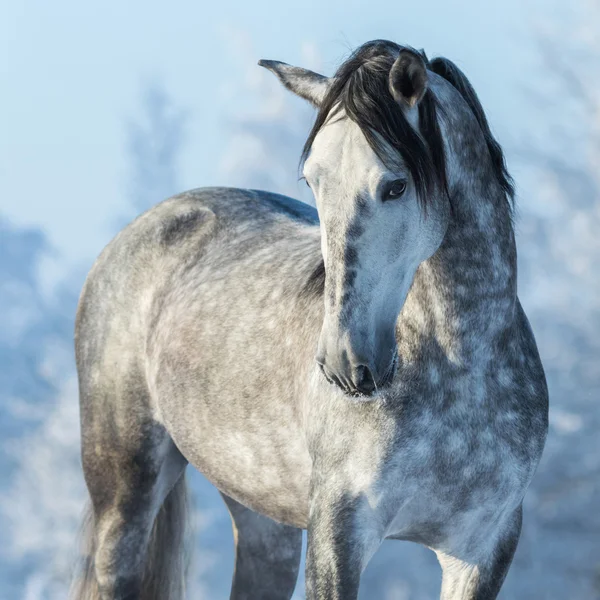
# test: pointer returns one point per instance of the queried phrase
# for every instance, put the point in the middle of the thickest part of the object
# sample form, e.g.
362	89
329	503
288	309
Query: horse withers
363	371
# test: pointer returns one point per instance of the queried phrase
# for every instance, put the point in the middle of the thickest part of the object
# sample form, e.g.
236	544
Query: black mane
360	87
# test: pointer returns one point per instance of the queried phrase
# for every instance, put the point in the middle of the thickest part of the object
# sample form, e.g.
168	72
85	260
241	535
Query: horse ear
408	78
304	83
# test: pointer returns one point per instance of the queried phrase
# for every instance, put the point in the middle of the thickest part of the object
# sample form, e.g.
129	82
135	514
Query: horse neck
463	298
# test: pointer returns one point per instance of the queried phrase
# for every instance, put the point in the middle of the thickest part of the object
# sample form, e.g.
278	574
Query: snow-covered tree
42	501
560	286
266	135
155	141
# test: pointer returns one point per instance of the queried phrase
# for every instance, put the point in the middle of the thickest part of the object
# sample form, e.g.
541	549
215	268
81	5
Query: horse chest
456	468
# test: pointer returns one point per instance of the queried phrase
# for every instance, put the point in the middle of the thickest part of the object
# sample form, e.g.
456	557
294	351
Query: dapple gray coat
363	372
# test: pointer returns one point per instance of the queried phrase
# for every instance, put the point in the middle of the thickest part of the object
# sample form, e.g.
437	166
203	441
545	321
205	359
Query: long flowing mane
360	88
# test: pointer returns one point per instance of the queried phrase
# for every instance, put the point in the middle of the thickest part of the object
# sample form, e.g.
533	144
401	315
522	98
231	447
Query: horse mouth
383	383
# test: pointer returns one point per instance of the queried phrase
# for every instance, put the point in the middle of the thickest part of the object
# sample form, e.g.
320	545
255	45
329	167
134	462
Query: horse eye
395	190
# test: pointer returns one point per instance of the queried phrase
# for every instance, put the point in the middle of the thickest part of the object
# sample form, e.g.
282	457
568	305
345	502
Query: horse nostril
364	382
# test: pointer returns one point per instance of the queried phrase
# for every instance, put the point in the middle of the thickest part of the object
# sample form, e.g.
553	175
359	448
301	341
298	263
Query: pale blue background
108	107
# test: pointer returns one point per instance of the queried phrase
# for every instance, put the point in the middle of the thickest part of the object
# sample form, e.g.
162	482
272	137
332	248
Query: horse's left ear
408	78
304	83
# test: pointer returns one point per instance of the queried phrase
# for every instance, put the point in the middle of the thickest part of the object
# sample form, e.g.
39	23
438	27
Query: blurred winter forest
557	164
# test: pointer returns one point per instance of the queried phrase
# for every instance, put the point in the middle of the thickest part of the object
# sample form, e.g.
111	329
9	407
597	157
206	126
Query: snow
42	492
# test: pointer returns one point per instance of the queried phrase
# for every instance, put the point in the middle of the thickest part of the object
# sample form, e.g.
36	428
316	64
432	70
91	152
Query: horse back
194	316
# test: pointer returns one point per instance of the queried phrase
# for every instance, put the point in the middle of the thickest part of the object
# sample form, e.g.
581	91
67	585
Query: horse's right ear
304	83
408	78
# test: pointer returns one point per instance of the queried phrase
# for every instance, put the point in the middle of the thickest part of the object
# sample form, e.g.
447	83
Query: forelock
360	88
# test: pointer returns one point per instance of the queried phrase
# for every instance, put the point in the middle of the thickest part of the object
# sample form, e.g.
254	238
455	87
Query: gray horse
364	372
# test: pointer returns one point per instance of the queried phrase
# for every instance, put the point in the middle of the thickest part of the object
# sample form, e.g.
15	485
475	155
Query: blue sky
72	72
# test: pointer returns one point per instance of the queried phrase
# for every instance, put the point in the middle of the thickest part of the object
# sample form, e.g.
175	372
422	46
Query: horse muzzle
359	380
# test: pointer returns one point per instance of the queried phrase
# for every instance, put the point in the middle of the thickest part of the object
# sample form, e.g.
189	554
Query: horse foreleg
342	536
481	578
267	555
